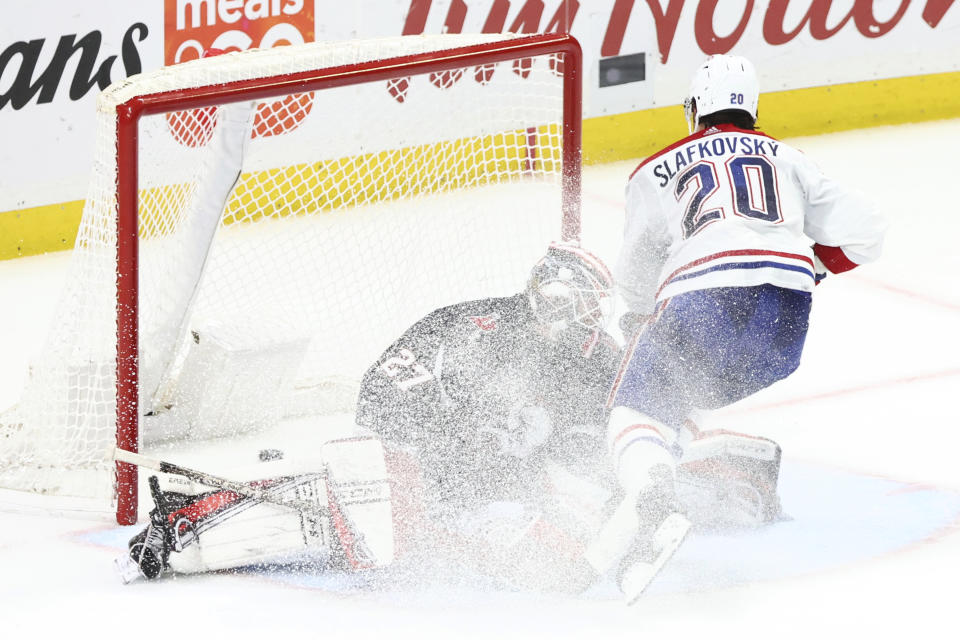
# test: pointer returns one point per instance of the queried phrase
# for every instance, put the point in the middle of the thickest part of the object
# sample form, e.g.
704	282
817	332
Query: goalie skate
149	550
127	569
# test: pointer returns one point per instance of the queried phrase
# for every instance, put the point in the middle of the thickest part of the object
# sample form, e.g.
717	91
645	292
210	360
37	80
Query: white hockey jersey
727	207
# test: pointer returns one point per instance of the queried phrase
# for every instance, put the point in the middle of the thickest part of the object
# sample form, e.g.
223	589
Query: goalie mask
570	287
722	82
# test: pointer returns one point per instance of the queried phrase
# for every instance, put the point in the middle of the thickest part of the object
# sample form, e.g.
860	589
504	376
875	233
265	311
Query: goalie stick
130	569
242	488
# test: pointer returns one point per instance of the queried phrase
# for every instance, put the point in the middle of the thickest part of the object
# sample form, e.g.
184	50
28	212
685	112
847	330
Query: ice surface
869	426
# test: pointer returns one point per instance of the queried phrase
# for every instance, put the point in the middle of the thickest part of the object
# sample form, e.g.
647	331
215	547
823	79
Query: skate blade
127	569
638	576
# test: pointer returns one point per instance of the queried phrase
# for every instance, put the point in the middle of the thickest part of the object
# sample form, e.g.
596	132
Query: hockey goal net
260	225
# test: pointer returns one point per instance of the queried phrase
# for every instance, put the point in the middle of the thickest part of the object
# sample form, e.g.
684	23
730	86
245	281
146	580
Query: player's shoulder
485	314
652	159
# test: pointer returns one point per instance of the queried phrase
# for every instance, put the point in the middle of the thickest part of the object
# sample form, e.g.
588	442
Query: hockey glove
820	270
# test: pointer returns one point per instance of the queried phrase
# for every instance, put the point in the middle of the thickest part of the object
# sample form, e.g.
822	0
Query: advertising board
823	65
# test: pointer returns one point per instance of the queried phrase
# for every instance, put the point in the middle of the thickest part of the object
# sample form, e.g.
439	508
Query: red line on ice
923	377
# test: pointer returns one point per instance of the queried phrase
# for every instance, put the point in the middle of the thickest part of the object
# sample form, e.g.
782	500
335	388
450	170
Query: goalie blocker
340	515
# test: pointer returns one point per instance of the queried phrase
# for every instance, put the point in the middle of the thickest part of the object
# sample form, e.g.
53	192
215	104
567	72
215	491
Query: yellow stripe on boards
312	188
28	232
786	114
627	136
389	175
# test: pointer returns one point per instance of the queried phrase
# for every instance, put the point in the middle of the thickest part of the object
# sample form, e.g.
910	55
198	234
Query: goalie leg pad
249	532
360	501
730	479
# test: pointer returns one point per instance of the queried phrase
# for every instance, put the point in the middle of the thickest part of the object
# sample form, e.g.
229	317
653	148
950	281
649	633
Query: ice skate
649	555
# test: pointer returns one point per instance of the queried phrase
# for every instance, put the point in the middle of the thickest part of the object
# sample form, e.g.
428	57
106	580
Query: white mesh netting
357	210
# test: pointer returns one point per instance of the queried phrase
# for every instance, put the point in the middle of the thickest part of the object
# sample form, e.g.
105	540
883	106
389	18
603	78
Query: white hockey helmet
571	286
722	82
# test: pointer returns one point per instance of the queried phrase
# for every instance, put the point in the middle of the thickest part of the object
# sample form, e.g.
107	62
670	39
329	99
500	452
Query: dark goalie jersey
481	394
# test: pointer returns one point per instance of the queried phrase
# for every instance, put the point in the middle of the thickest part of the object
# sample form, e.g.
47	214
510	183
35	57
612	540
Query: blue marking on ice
835	518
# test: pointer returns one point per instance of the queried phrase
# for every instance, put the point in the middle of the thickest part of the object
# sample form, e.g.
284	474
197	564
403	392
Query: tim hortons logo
201	28
819	17
20	62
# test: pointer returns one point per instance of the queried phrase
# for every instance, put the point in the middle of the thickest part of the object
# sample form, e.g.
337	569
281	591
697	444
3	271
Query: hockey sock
638	444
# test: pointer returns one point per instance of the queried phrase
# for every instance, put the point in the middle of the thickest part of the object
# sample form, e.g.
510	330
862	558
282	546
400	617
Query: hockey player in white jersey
727	232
